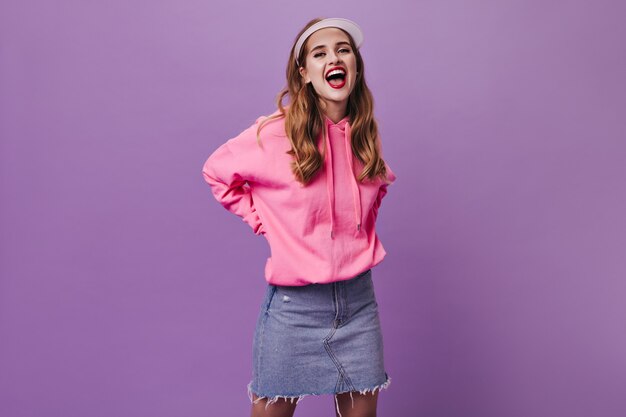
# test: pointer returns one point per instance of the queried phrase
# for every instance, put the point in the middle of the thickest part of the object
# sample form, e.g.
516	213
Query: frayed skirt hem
298	398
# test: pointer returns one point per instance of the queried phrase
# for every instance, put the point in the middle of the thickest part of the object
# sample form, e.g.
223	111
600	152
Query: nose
333	57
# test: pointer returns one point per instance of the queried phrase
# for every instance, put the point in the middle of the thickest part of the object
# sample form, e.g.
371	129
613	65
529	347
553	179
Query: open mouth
336	77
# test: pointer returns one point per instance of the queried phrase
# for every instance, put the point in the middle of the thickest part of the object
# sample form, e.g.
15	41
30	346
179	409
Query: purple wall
127	291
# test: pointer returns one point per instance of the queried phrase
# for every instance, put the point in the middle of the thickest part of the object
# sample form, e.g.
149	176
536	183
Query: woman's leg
364	404
281	408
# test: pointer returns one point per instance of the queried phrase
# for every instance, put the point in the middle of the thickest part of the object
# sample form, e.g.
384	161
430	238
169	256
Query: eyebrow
323	46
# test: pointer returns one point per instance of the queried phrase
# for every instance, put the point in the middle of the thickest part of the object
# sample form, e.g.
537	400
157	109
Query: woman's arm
382	191
229	188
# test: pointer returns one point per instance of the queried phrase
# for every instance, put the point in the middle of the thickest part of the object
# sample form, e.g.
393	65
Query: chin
338	96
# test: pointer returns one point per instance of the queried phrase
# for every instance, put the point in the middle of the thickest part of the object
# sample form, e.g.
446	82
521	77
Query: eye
318	54
347	50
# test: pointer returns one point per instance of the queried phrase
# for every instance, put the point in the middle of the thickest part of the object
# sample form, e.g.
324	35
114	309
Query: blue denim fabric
318	339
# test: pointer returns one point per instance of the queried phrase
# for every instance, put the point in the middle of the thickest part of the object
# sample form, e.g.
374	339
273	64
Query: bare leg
364	404
281	408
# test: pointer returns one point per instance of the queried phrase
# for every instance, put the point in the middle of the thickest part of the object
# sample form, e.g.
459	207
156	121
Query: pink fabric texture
318	233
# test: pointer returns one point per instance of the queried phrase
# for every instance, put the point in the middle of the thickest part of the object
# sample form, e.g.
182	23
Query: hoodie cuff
254	221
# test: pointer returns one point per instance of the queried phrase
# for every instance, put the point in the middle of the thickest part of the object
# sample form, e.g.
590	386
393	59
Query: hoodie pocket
269	296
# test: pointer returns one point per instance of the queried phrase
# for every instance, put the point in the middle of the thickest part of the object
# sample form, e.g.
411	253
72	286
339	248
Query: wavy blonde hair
304	119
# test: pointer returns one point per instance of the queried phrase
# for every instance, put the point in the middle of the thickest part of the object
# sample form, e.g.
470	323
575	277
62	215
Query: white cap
333	22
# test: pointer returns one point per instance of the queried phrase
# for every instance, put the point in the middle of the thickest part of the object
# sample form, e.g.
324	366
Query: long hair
304	119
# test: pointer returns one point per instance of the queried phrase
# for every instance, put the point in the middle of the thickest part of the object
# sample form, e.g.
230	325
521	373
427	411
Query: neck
335	111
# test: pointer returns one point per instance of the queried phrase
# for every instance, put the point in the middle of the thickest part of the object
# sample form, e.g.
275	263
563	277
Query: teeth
337	71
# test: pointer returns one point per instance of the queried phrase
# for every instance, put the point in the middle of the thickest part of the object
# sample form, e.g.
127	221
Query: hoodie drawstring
330	188
356	194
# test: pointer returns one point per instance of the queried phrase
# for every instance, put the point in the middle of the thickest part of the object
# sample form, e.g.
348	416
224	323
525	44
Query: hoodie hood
343	125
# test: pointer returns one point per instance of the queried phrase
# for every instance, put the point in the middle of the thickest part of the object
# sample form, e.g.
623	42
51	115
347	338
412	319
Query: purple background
126	290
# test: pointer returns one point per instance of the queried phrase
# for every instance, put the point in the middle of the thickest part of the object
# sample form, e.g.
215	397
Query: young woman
310	178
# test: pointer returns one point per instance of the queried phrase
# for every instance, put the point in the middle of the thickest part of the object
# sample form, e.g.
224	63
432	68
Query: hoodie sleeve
222	172
382	191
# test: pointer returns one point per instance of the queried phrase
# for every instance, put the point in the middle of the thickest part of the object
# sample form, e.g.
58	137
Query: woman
310	178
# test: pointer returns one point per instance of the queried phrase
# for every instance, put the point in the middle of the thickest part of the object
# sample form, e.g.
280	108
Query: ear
304	74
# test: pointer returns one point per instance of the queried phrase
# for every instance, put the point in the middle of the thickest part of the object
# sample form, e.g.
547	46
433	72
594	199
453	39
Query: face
330	66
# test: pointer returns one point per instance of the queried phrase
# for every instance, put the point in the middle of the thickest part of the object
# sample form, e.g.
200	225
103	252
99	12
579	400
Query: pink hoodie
319	233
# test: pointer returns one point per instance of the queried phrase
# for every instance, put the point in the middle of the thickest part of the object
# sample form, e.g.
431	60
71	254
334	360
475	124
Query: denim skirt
318	339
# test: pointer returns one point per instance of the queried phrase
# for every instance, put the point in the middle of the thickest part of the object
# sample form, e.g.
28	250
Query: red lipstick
342	83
